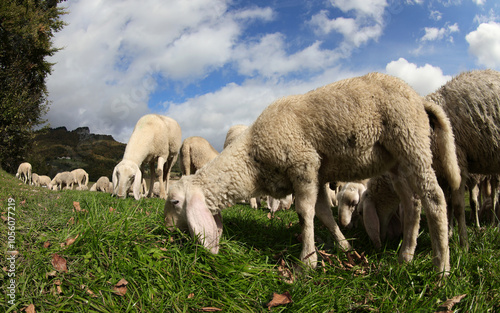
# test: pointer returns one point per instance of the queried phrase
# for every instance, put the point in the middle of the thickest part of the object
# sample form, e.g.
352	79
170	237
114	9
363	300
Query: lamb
299	143
195	153
35	179
102	184
472	102
24	172
155	138
44	180
63	180
348	199
81	177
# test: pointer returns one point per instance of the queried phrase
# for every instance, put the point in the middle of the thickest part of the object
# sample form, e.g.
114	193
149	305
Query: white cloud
436	15
433	34
366	24
484	44
424	80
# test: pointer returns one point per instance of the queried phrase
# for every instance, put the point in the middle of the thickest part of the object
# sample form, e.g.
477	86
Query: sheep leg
324	213
166	170
473	202
411	216
304	203
159	174
434	203
458	207
494	196
152	178
371	222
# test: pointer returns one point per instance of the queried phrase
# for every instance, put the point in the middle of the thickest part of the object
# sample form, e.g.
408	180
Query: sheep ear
202	223
137	184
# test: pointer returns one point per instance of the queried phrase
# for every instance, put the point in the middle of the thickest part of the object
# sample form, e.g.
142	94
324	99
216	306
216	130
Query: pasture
81	251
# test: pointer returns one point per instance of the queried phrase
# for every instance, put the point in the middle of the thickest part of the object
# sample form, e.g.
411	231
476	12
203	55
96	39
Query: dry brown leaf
29	309
71	221
448	304
51	274
121	287
46	244
76	205
70	240
4	218
285	272
280	299
191	295
59	263
210	309
111	209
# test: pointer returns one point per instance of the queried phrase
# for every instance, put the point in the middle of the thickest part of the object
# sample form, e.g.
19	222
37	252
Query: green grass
168	272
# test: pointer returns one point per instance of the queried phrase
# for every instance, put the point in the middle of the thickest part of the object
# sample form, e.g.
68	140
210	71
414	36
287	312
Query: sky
211	64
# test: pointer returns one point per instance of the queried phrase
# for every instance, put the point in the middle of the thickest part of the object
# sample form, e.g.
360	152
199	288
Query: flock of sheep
394	151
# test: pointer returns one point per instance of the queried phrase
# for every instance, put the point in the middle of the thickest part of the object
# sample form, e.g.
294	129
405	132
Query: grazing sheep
300	143
348	199
155	138
44	180
102	184
472	102
195	153
24	172
63	180
35	179
81	177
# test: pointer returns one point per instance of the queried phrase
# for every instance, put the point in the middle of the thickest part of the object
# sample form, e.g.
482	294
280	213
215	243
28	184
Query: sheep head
348	199
127	174
186	209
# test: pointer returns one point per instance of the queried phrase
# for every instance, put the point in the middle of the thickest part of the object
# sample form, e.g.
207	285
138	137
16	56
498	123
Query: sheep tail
444	141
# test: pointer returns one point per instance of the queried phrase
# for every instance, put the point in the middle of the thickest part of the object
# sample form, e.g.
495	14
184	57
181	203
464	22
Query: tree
26	31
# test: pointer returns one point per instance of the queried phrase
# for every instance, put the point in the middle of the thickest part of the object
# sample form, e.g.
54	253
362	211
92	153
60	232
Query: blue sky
211	64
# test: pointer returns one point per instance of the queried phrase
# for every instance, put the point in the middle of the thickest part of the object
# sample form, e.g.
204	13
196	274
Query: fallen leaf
46	244
59	263
4	218
121	287
70	240
191	295
285	272
29	309
71	221
210	309
111	209
24	202
76	205
51	274
280	299
13	252
448	304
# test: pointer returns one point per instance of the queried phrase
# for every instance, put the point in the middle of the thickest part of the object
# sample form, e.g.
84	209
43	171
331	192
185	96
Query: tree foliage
26	31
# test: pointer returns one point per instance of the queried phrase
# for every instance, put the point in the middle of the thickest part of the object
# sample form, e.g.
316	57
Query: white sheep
155	139
24	172
63	180
44	180
81	177
102	184
300	143
348	198
195	152
472	102
233	133
35	179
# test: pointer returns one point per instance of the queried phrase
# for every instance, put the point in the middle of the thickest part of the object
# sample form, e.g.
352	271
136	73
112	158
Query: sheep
102	184
233	133
348	199
194	153
63	180
300	143
155	138
35	179
81	177
24	172
472	102
44	180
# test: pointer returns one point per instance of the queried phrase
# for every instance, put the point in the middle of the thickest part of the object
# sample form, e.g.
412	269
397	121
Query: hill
57	149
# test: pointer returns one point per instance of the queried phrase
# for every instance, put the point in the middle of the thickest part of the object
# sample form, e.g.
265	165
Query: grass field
89	252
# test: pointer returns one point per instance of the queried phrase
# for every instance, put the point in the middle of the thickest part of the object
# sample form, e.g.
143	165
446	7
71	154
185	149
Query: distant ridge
57	149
